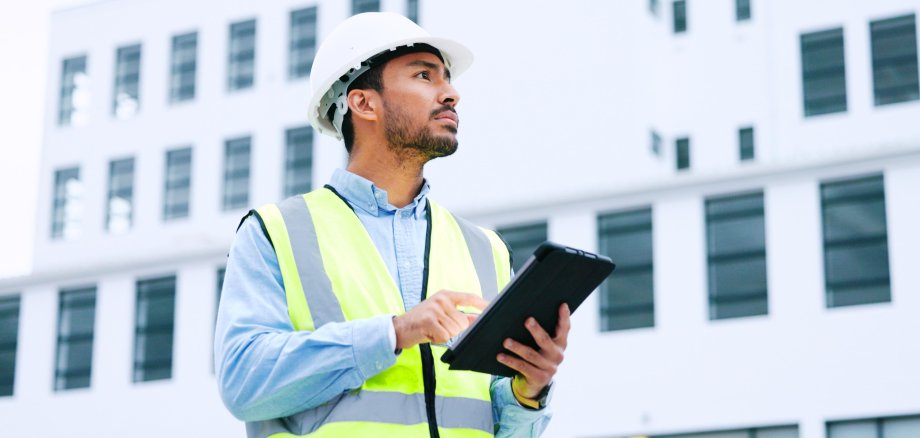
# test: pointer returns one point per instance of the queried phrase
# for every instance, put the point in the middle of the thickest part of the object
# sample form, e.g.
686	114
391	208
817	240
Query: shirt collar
363	194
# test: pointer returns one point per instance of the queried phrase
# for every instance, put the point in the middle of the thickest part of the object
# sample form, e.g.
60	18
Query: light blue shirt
267	370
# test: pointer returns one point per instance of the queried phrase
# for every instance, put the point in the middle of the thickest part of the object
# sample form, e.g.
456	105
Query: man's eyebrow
431	65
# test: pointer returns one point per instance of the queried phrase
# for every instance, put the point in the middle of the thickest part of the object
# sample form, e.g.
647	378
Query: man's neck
400	176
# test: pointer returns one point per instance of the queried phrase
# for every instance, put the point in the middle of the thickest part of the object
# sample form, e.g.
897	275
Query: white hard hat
341	59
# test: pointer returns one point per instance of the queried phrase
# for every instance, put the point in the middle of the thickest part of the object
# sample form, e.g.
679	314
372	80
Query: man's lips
448	115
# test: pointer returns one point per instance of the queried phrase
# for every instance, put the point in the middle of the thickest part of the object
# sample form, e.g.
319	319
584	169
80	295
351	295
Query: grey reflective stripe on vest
324	306
381	407
481	251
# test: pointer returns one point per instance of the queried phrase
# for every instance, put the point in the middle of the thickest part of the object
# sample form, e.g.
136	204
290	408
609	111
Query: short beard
420	142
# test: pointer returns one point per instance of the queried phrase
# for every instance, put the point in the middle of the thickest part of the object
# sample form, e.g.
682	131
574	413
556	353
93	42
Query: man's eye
424	75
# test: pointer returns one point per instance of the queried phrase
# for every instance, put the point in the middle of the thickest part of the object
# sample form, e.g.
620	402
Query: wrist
535	401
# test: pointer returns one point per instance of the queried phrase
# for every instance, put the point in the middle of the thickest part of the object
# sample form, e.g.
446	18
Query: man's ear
363	104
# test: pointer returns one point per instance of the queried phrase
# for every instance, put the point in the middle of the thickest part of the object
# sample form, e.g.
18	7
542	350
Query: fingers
461	299
563	326
529	354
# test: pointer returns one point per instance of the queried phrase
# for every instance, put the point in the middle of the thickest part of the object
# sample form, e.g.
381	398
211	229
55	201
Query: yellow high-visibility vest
333	272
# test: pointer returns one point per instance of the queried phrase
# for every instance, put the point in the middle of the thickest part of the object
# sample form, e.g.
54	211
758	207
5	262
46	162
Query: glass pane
732	236
779	432
855	219
857	263
628	249
855	429
901	427
851	295
731	278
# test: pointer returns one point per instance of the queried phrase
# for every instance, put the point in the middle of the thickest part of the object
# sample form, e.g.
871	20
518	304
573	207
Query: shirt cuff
374	340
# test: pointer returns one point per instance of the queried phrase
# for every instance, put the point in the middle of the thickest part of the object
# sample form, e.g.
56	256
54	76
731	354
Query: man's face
418	102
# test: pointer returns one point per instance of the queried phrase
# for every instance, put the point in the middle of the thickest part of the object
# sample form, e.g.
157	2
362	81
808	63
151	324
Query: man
337	304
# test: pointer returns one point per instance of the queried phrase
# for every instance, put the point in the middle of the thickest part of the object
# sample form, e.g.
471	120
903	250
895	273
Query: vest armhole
258	217
510	251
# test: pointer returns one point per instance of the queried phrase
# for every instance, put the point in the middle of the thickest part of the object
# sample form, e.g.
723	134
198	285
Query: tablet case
554	275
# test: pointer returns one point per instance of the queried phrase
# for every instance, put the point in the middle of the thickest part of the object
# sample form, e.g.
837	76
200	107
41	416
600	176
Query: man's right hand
436	319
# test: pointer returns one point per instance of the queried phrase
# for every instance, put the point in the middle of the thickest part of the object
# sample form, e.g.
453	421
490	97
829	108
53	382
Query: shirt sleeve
512	419
265	369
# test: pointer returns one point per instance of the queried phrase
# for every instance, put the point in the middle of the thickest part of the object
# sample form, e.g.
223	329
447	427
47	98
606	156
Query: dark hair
373	79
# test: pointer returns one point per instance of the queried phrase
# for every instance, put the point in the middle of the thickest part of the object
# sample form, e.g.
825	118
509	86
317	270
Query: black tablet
554	275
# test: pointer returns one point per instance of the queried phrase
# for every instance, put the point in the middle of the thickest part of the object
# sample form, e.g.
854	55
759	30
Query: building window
890	427
627	298
221	272
76	320
655	143
412	10
126	101
359	6
855	242
178	183
119	212
746	143
682	146
680	16
67	206
9	335
824	83
155	318
737	256
302	45
759	432
298	161
523	240
742	10
241	62
183	68
653	7
894	60
73	107
236	173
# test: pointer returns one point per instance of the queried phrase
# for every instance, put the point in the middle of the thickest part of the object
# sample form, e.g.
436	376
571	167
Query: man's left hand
537	367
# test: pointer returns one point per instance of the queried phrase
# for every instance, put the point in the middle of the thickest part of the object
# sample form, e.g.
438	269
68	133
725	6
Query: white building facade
751	166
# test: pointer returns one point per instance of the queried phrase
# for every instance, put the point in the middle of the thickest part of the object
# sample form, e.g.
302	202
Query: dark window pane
523	240
627	297
359	6
736	250
236	173
890	427
655	143
298	161
412	10
746	143
178	182
855	242
241	56
823	72
9	336
154	322
682	146
680	16
66	207
126	97
73	103
742	10
894	60
184	64
120	206
302	43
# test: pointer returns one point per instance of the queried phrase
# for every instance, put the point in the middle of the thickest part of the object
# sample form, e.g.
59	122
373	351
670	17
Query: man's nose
449	95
